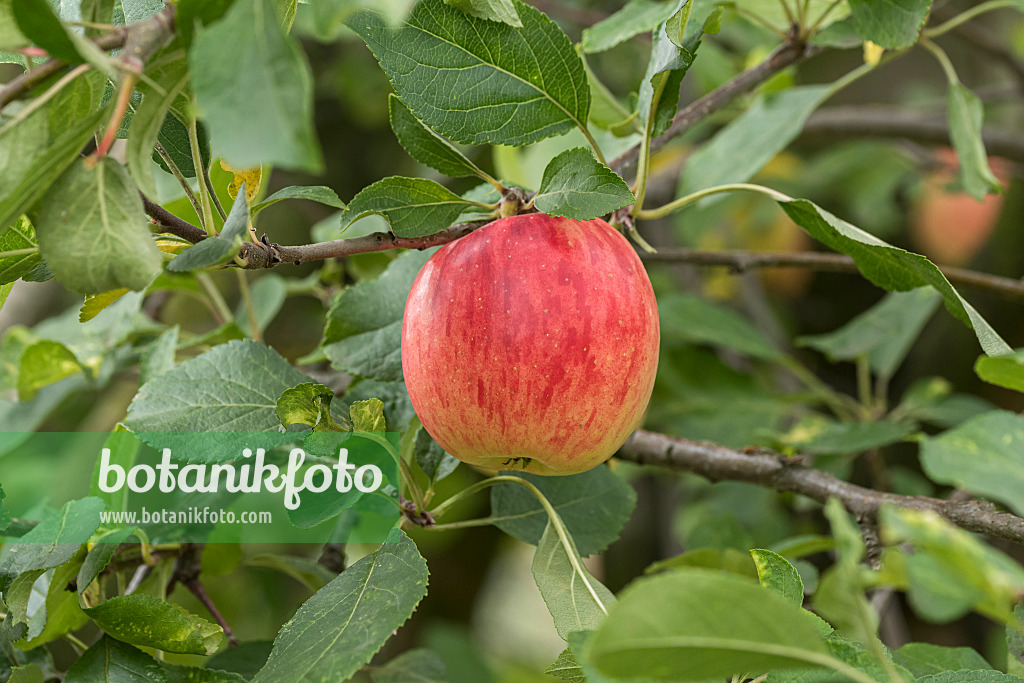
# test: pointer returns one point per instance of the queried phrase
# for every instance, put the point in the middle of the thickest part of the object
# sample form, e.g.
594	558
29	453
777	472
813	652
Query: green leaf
777	574
1015	644
250	78
970	677
950	571
889	267
42	26
884	333
578	186
158	356
94	304
60	610
637	16
893	24
111	661
368	416
923	659
694	624
412	666
965	113
268	295
124	449
691	318
1004	371
193	674
233	387
476	81
984	455
374	304
341	627
376	354
19	236
52	542
577	601
566	668
42	364
99	557
308	403
426	146
166	78
413	207
36	151
594	506
147	621
495	10
221	248
672	55
314	193
173	138
745	146
92	230
30	673
432	459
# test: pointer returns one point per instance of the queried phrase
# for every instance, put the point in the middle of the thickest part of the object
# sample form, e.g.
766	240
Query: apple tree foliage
137	142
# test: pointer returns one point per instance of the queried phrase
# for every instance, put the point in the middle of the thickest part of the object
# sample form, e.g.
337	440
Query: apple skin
532	343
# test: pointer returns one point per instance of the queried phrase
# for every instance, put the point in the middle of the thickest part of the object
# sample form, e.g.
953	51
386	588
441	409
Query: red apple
532	344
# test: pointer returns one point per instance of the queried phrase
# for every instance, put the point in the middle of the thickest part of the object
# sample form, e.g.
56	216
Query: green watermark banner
219	487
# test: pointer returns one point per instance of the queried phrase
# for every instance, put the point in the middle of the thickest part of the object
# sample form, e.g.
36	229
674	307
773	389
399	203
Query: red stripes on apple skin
533	337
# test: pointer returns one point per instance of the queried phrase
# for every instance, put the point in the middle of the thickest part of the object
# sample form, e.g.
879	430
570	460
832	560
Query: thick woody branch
139	39
789	474
833	123
739	261
786	55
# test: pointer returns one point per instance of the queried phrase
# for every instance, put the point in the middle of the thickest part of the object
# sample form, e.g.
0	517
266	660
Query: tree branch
378	241
857	121
788	474
785	55
138	36
739	261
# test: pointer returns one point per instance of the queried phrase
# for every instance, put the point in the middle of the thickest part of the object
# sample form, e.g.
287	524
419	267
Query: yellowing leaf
95	303
169	244
250	176
872	53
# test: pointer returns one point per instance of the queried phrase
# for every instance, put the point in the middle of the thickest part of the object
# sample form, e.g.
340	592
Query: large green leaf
413	207
92	230
344	624
317	193
476	81
578	186
693	624
884	333
1005	371
147	621
893	24
737	152
594	506
35	152
111	661
426	146
984	455
889	267
577	601
364	324
637	16
42	26
233	387
254	90
53	541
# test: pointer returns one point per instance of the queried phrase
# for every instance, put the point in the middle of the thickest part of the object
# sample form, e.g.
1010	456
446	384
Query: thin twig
889	122
739	261
788	474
